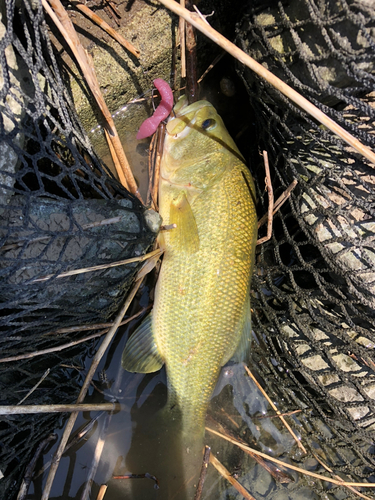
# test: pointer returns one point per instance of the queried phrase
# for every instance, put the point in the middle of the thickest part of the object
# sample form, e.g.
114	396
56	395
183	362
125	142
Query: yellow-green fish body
201	311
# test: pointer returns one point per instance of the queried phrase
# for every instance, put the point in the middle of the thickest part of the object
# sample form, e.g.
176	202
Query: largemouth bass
201	312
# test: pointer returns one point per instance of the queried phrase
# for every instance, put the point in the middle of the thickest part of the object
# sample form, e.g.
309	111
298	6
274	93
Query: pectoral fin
141	353
185	235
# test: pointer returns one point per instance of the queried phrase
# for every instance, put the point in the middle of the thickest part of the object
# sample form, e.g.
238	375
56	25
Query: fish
201	317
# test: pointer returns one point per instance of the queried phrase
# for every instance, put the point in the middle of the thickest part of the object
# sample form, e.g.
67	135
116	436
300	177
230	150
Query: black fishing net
314	288
60	210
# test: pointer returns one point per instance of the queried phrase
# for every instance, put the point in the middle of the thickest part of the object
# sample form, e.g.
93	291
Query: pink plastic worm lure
150	125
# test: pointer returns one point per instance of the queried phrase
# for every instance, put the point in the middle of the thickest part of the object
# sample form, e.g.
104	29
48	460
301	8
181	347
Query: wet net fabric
314	289
60	210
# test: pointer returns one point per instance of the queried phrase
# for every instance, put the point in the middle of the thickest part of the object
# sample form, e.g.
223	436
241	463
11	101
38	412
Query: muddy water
133	442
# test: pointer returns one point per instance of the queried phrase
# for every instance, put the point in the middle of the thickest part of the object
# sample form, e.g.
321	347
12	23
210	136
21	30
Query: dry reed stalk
151	168
225	473
76	439
269	189
287	426
84	389
194	19
102	491
45	374
181	28
340	479
156	173
95	326
30	468
279	202
106	27
192	90
58	348
289	466
27	409
212	65
203	473
279	475
66	28
116	161
141	258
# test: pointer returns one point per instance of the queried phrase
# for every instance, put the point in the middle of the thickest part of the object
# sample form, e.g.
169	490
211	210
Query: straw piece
260	70
66	28
270	199
27	409
100	267
181	27
289	466
106	27
203	473
225	473
279	202
46	373
290	430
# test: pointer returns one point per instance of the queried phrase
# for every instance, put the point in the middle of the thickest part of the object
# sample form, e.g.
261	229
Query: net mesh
313	304
315	281
60	210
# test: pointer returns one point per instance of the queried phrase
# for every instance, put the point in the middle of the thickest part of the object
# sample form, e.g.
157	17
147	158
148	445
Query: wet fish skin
201	313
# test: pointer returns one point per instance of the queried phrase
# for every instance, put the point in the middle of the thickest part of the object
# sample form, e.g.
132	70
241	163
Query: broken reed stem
95	326
102	491
285	414
279	202
58	348
66	28
27	409
82	394
151	168
141	258
339	478
51	349
275	472
269	189
225	473
96	458
290	430
181	28
156	175
106	27
260	70
116	162
46	373
289	466
212	65
30	468
76	439
191	59
203	473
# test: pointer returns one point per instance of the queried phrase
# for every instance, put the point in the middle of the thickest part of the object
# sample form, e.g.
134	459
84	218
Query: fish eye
208	124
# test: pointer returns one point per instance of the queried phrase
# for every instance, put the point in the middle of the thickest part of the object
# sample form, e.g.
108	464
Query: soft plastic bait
150	125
